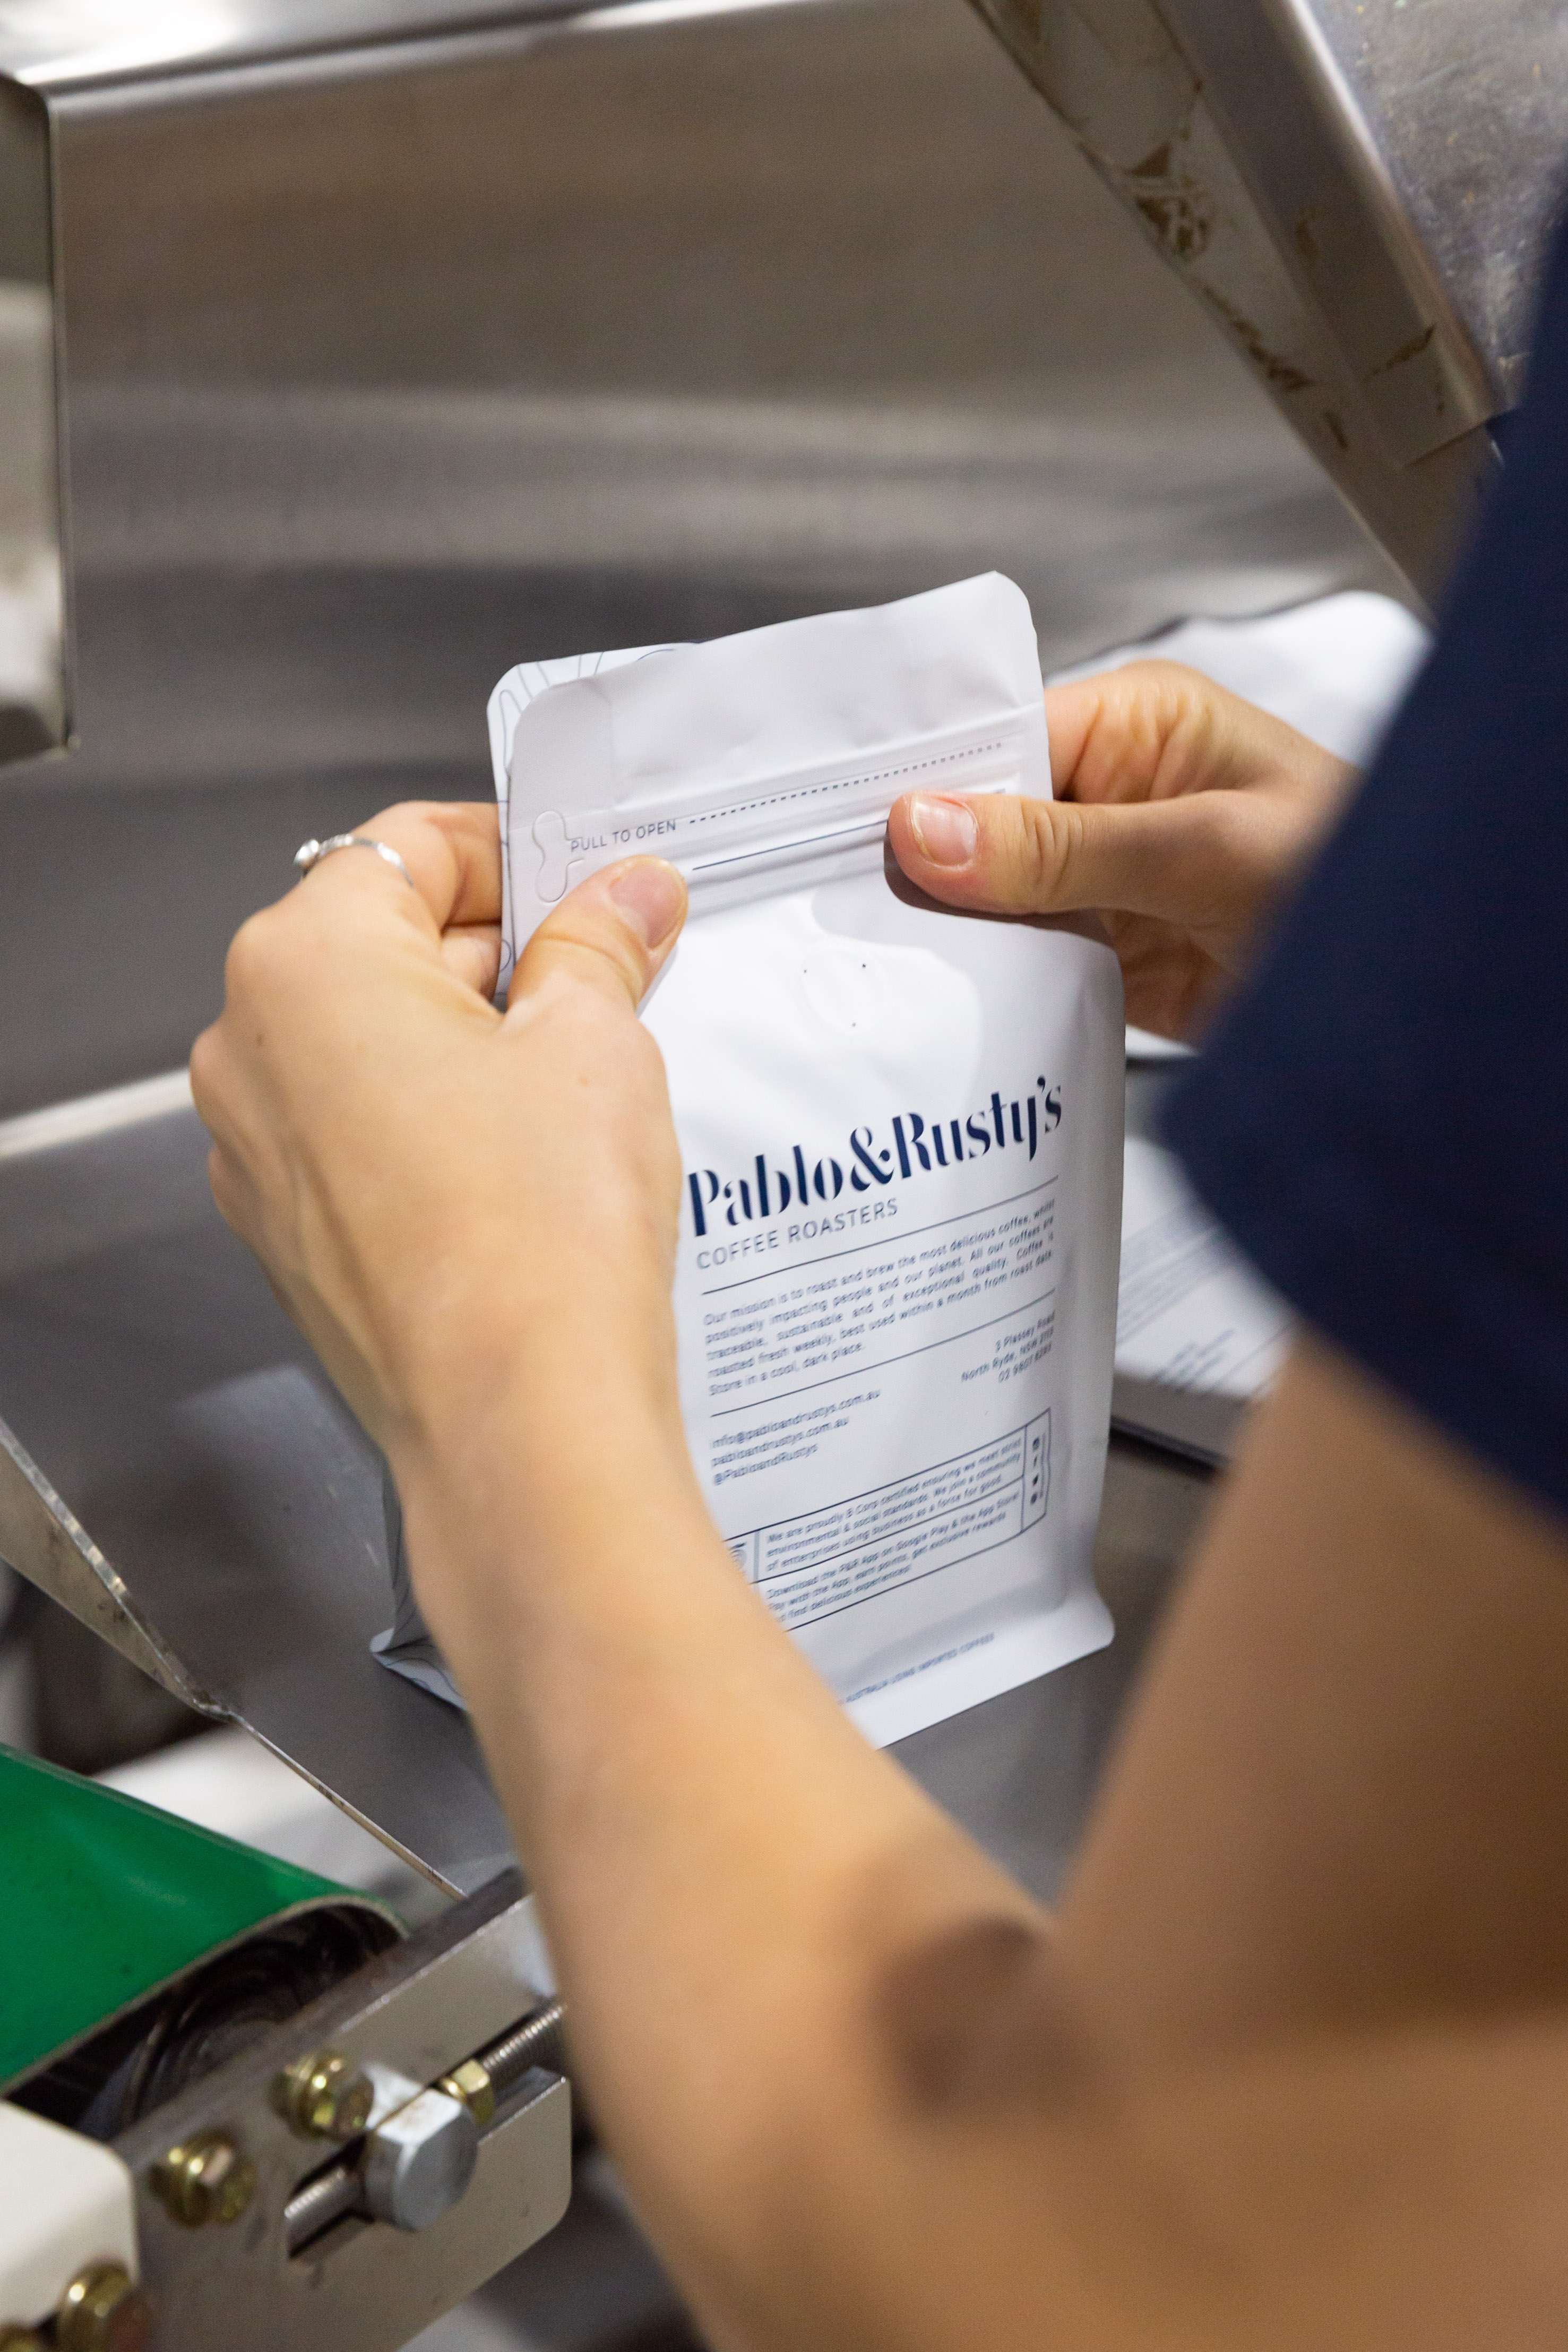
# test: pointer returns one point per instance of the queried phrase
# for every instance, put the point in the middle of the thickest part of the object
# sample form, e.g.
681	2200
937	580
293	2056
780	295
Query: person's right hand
1183	816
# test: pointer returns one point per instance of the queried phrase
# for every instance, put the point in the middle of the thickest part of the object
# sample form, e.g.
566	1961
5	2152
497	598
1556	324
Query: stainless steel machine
1357	192
350	351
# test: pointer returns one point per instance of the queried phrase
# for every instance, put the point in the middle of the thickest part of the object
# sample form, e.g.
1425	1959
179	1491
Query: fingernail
651	896
944	831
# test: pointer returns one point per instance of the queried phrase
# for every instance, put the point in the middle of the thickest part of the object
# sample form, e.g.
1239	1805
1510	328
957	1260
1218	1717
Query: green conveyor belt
102	1898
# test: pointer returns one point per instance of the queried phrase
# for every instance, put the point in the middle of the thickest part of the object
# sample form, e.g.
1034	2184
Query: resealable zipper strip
772	825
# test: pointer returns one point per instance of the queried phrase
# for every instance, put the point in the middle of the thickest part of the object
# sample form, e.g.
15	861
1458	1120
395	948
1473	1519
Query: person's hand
1183	815
450	1201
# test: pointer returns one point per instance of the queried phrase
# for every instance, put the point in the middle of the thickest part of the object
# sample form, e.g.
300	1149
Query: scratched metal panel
1468	102
1356	191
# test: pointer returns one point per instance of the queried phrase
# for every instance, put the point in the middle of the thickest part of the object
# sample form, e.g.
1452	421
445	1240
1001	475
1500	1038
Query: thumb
612	933
998	854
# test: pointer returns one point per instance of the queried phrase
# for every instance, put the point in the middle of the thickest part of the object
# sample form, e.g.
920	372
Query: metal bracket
361	2286
1237	138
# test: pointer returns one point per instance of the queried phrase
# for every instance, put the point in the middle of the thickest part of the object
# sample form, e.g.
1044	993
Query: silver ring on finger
309	854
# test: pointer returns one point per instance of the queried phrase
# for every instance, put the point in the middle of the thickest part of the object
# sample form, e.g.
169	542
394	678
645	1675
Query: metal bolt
103	2310
206	2179
470	2083
419	2161
325	2096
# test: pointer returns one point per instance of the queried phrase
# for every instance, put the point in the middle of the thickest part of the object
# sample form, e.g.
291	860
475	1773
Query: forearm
863	2093
1344	1790
740	1893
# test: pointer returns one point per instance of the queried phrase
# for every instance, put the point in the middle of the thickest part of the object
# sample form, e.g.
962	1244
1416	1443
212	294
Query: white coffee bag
900	1130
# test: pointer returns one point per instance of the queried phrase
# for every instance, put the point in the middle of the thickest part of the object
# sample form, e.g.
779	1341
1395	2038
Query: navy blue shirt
1382	1122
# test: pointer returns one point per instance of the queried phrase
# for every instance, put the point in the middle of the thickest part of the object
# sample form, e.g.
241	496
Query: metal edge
1338	122
68	738
1415	511
1406	249
58	77
434	51
383	1836
43	1540
48	200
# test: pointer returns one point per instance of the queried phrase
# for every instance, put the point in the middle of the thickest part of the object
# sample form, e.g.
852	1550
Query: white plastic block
65	2202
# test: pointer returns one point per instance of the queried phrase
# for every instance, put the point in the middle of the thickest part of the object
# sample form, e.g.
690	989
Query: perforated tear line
845	783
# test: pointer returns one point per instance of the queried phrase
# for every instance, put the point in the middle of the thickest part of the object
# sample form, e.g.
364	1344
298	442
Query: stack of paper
1198	1337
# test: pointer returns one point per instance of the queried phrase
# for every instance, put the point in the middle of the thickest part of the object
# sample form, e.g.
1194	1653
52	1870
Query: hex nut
418	2162
206	2179
470	2083
103	2310
325	2096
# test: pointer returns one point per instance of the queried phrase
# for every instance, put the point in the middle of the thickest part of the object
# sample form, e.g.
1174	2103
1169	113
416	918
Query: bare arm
1292	2067
1347	1777
866	2093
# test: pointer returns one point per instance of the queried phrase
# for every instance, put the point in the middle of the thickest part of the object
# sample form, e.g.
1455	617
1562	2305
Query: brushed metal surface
234	1509
657	324
562	330
71	45
511	333
1470	107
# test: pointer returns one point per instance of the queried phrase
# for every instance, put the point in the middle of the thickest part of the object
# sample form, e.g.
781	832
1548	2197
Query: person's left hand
450	1201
